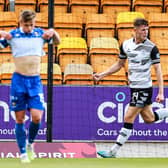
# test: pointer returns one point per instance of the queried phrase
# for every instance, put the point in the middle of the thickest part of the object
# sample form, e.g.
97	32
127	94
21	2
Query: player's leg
133	110
34	124
18	104
149	116
124	133
36	111
20	132
36	106
33	131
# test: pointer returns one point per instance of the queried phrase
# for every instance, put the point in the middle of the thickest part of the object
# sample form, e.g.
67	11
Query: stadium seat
148	6
164	72
41	20
78	74
8	21
22	5
124	24
57	76
84	7
118	78
7	70
113	7
158	24
6	57
72	50
45	48
44	59
164	63
68	25
2	5
166	5
103	53
99	25
60	6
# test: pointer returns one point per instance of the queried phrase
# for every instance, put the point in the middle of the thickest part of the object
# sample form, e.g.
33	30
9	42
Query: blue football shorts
26	93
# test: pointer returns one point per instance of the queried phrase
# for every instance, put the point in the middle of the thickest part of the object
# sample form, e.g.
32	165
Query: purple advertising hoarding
87	113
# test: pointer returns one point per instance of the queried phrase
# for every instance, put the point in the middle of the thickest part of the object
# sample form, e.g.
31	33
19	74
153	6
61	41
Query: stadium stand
45	58
99	25
165	2
22	4
2	5
42	20
60	6
8	20
7	70
119	79
68	25
57	76
113	7
72	50
158	24
84	7
6	57
147	7
164	62
124	24
78	74
103	53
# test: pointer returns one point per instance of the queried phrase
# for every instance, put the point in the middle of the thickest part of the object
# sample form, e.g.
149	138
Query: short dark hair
140	21
27	15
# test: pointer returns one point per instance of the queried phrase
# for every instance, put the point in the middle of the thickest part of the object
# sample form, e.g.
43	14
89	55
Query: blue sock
33	130
21	137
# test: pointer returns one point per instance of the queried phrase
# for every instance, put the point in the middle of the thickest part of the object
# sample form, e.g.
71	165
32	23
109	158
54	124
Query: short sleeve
122	54
3	43
155	55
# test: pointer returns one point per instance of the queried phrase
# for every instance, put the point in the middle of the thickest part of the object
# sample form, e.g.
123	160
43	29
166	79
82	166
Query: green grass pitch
88	163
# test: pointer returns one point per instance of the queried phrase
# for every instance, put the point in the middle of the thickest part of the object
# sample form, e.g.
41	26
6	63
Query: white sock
162	113
115	148
121	139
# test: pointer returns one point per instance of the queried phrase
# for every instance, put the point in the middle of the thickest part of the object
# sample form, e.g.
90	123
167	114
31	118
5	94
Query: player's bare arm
51	33
159	77
114	68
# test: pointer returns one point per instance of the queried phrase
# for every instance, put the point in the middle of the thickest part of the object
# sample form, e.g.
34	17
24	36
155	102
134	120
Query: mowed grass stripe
88	163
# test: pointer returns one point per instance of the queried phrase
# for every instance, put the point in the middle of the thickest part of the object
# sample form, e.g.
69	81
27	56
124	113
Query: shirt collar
141	42
21	30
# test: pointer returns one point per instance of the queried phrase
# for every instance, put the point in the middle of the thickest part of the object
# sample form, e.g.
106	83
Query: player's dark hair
27	15
140	21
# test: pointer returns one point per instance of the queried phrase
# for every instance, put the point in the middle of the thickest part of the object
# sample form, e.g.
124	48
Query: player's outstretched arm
51	33
114	68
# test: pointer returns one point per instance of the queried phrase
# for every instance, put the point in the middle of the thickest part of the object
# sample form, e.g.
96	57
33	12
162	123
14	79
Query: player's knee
128	119
148	120
19	120
36	119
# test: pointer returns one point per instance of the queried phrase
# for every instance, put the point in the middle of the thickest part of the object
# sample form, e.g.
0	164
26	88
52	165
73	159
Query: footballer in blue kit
26	43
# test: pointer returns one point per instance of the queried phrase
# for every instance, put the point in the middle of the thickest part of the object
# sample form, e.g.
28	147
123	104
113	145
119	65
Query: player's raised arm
5	35
51	33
